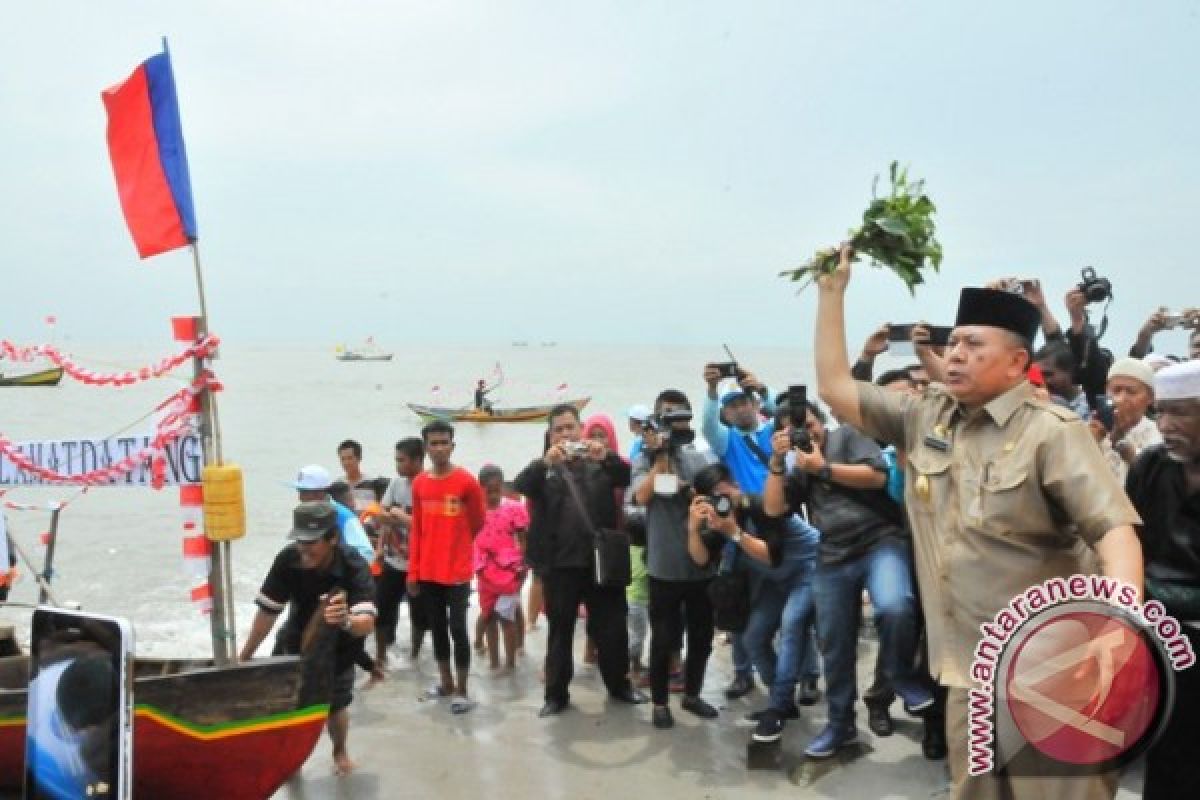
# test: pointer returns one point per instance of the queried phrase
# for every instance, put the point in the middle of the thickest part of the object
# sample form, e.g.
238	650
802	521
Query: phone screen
79	715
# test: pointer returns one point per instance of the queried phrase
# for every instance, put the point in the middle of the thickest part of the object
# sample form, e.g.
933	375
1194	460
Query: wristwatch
737	536
825	473
347	624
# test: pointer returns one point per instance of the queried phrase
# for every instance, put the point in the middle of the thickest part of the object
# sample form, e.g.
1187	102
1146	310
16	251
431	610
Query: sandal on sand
461	705
435	693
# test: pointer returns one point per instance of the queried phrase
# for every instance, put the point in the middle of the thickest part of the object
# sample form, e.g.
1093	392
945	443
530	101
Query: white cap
313	478
1157	361
638	413
1180	382
1133	368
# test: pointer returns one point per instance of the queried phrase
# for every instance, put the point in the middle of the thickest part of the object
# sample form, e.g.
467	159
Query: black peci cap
998	309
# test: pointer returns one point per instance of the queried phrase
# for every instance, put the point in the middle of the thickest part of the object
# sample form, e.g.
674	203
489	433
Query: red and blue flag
145	143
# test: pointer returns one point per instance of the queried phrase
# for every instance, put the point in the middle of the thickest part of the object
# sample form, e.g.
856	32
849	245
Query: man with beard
1164	485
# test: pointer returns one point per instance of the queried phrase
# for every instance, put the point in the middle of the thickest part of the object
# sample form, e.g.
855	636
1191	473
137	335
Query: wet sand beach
596	750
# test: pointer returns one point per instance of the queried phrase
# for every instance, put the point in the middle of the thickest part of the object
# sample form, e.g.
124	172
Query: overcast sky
595	171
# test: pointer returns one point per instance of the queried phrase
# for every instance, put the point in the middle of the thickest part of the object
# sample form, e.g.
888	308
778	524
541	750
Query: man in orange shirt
448	509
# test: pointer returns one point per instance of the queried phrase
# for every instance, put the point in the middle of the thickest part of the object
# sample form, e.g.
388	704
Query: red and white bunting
201	349
178	419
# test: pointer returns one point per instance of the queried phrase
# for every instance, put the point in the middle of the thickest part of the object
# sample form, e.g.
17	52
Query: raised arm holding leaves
897	233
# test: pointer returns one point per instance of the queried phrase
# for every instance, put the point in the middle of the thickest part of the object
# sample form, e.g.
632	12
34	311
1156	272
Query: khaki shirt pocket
928	482
1007	506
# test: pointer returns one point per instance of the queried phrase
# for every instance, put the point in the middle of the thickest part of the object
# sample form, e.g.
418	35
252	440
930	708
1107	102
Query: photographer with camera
841	476
1092	362
734	427
662	483
1120	424
559	548
929	356
1163	320
778	554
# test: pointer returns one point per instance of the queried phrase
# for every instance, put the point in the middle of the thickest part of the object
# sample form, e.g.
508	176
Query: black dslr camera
664	425
1094	288
721	504
797	407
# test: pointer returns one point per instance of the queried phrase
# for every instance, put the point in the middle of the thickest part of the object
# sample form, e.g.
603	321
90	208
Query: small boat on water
472	414
45	377
368	352
202	731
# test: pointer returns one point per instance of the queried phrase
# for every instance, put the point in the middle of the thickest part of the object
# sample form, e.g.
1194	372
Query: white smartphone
79	735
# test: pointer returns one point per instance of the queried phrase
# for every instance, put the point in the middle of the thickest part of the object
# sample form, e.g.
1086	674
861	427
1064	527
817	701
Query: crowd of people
924	498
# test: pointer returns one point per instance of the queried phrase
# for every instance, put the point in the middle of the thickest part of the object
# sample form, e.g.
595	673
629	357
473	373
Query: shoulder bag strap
758	451
569	479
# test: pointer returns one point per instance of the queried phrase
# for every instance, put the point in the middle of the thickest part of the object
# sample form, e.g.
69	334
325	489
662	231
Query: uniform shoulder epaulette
1064	414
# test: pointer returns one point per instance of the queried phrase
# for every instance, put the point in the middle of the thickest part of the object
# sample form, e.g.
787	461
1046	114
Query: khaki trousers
1002	787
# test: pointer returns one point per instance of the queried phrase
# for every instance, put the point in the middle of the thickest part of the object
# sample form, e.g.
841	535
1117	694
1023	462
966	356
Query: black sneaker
662	718
933	743
770	727
698	707
879	720
790	713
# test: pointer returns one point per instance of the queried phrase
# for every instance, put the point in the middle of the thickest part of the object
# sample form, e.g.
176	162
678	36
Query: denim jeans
886	572
788	608
784	603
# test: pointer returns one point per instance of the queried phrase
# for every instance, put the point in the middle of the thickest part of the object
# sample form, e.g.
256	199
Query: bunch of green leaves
897	232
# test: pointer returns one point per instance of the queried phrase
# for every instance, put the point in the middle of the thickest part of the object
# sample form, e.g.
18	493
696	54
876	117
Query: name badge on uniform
937	443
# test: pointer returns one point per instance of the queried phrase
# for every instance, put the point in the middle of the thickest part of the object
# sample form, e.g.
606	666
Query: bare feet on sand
342	765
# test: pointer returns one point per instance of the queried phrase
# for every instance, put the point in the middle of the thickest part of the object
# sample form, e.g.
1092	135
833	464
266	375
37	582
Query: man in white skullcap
1130	389
1164	485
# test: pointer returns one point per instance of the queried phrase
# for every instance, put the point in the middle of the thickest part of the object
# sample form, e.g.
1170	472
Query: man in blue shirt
739	435
742	439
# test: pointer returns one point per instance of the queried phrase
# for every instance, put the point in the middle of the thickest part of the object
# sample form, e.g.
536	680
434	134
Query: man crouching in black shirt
314	565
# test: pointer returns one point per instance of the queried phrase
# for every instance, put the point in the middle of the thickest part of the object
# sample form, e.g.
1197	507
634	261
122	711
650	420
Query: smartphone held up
80	707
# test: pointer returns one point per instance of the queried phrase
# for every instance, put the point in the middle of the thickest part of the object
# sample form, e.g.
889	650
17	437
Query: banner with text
184	460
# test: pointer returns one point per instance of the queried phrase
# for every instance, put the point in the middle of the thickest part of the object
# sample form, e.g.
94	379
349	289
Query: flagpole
220	577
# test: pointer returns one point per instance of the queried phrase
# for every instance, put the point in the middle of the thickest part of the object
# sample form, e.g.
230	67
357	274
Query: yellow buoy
224	503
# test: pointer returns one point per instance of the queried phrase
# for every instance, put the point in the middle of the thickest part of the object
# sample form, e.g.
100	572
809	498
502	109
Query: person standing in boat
313	566
481	393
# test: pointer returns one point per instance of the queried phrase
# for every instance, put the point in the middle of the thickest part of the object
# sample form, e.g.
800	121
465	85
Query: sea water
119	549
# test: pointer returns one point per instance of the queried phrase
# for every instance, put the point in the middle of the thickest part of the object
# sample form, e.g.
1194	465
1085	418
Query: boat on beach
201	731
44	377
472	414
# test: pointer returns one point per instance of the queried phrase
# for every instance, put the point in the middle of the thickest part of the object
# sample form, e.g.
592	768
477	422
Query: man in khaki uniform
1003	491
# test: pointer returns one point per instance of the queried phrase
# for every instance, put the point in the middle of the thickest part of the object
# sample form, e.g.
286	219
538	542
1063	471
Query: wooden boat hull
525	414
200	732
45	377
